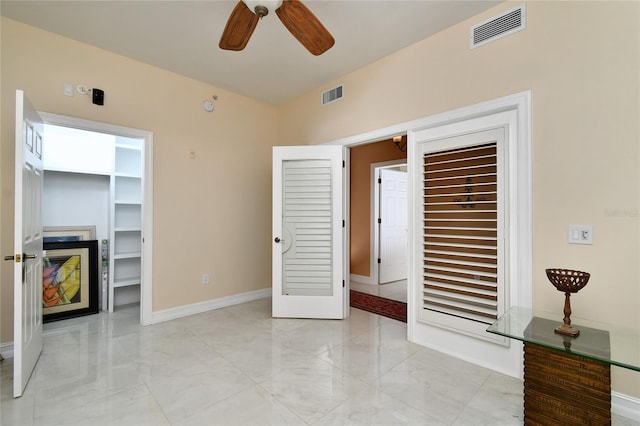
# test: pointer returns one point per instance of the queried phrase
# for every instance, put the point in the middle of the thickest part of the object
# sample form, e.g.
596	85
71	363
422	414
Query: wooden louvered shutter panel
460	270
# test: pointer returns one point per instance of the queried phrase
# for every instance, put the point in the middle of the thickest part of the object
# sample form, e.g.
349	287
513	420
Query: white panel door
393	226
28	255
308	232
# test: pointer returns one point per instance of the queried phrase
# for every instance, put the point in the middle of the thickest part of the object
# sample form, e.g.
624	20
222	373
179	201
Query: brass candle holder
568	281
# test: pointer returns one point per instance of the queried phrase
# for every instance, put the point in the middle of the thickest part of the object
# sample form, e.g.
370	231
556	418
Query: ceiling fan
295	16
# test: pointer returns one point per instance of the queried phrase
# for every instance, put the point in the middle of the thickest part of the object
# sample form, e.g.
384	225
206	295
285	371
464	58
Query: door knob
17	258
277	239
30	256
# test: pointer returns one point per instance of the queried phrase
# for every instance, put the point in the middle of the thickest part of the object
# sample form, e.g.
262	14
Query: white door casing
393	225
510	113
308	232
146	285
28	253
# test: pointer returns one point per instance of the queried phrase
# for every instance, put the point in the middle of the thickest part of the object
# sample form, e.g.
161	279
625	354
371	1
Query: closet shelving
125	251
117	199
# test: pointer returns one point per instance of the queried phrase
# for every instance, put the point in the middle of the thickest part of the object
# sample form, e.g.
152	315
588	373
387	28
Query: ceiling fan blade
241	24
305	26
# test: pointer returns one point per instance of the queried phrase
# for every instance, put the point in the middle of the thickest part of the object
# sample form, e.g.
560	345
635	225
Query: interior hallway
396	290
239	366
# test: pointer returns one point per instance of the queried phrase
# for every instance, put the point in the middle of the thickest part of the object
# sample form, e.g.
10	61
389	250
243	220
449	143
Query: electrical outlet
205	278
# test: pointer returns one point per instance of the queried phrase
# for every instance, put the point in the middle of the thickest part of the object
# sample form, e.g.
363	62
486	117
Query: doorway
366	291
390	224
513	112
128	195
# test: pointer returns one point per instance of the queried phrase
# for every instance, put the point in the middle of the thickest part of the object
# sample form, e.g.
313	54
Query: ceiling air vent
332	95
492	29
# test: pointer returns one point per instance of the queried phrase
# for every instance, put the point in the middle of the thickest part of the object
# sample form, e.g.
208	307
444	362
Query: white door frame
146	284
522	170
375	214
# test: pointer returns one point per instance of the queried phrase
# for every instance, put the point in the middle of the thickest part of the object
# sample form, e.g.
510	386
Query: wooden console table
567	380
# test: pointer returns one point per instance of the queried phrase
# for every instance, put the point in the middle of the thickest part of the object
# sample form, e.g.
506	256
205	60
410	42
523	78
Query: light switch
192	154
580	234
67	89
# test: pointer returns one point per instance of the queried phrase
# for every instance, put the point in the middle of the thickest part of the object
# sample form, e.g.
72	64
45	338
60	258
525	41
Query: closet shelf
132	255
127	229
126	282
128	175
78	171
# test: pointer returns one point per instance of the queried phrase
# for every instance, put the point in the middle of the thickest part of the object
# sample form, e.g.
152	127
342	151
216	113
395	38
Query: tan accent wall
581	61
361	158
211	214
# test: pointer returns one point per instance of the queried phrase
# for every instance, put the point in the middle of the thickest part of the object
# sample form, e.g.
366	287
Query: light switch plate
67	89
580	234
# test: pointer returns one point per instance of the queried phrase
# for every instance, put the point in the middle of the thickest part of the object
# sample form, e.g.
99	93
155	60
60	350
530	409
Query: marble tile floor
239	366
396	290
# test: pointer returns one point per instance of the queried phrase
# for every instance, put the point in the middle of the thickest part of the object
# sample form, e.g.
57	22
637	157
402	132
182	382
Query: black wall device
98	96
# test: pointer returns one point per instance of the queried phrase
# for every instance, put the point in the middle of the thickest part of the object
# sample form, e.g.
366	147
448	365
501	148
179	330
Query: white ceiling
182	36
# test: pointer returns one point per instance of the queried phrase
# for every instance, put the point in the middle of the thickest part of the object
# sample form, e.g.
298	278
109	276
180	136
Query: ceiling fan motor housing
262	7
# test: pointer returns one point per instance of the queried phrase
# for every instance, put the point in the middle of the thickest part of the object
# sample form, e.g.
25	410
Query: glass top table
614	345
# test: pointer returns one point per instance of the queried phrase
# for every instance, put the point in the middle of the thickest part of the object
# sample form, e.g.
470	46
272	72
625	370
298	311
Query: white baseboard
6	350
209	305
625	406
362	279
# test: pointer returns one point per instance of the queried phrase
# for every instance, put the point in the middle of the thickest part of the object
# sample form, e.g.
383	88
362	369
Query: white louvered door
307	232
462	225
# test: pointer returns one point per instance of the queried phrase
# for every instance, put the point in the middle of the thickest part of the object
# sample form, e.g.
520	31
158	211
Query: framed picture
56	234
70	280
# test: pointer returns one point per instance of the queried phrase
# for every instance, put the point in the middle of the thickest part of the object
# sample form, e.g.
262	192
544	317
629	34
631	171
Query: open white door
308	232
28	255
394	231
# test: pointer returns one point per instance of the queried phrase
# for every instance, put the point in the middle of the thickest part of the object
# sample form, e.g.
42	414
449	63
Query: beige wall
360	159
211	214
581	62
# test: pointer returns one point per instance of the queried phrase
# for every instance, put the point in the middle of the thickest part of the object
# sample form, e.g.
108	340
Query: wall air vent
332	95
492	29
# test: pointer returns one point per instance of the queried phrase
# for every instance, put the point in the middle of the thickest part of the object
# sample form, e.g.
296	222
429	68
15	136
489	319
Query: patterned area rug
379	305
